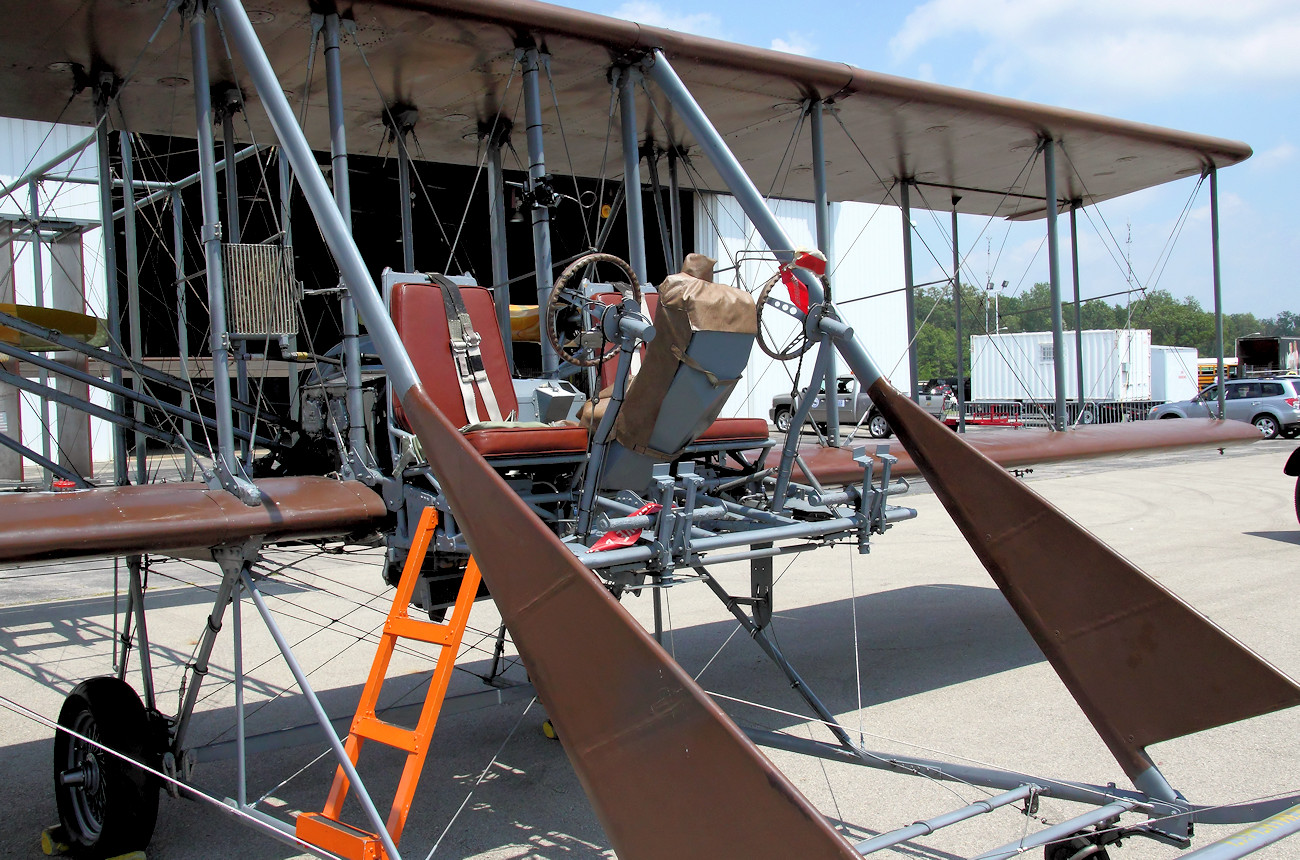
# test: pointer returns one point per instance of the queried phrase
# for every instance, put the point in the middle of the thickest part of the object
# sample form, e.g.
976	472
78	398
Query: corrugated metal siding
868	260
1116	366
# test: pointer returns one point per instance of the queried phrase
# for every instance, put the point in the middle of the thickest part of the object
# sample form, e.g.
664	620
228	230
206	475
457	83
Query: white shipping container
1173	373
1019	366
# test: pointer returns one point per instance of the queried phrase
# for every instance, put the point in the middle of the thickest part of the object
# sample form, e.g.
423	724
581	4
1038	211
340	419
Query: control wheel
584	343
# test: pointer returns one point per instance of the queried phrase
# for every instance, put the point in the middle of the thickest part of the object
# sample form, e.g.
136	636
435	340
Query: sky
1225	69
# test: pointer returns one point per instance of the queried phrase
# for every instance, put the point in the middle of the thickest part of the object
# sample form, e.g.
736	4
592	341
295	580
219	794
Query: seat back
420	317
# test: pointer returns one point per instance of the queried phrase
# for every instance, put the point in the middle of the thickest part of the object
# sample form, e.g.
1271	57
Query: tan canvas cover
689	302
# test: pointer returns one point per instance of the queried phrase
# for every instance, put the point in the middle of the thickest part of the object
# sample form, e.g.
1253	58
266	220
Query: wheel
588	347
798	343
1297	499
106	806
878	427
1291	432
1267	426
1087	416
783	419
1168	415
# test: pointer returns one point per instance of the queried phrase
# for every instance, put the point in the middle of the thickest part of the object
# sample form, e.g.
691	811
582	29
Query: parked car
1272	405
854	405
1292	468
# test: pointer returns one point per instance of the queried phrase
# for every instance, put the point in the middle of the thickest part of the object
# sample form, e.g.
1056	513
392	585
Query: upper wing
454	60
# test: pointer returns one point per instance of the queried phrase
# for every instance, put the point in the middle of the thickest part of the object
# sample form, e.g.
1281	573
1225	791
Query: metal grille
261	291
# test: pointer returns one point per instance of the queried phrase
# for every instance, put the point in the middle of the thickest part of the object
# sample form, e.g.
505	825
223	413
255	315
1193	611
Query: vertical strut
632	174
495	138
1054	280
909	288
539	192
956	308
1078	312
826	243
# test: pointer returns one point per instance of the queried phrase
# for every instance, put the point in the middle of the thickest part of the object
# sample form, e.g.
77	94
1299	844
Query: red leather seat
421	319
735	430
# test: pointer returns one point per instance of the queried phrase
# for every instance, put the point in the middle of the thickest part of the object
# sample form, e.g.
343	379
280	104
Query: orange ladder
324	829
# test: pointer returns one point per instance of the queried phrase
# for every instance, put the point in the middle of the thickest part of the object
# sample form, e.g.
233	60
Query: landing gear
106	806
1077	847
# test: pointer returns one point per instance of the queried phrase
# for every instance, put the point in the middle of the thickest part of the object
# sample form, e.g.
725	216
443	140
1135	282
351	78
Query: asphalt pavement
911	645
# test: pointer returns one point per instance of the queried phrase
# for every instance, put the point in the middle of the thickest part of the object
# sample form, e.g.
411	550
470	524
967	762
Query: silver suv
1272	405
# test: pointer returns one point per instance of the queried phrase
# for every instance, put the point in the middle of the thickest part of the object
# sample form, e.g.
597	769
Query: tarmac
911	645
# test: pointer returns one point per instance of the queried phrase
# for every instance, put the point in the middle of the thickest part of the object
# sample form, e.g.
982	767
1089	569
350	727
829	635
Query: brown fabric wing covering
667	772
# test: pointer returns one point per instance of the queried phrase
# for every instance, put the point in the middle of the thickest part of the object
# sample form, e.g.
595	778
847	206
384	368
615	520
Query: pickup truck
854	405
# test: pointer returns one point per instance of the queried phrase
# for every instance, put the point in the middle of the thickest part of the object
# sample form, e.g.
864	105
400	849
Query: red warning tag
620	538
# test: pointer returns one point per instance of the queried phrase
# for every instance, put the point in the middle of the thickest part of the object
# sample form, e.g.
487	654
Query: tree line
1172	322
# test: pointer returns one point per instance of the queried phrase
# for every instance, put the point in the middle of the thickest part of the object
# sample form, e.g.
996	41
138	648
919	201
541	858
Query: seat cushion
735	429
527	441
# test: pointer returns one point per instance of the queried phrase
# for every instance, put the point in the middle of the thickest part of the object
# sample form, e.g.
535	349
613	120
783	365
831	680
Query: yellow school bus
1208	368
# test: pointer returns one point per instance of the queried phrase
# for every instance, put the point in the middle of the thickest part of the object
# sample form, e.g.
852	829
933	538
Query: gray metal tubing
119	390
728	167
87	407
241	757
233	236
44	462
38	277
133	294
1002	780
199	668
774	653
323	720
925	828
212	243
656	194
791	447
500	252
1250	840
603	234
182	316
632	174
763	553
343	199
246	152
956	308
141	629
404	200
44	167
826	242
675	208
1218	284
1054	280
541	215
111	309
909	289
1062	830
1078	311
114	361
791	532
600	439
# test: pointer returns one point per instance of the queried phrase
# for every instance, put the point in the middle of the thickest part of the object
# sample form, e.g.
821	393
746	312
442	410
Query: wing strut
1142	664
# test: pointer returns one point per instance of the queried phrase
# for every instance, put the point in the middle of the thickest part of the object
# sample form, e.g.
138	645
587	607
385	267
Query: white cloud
795	43
1274	157
1146	47
655	15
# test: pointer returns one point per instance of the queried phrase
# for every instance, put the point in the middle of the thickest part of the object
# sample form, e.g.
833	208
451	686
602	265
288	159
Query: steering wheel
589	347
796	344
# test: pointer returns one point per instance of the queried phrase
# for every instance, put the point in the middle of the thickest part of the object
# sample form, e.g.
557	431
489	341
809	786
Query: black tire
878	427
1297	499
782	419
107	807
1169	415
1267	425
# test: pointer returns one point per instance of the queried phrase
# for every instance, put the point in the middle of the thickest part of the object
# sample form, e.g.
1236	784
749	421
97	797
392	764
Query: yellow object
548	729
52	843
524	324
83	327
130	855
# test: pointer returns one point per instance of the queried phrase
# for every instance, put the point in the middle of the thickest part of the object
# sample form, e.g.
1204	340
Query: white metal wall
868	260
23	145
1019	366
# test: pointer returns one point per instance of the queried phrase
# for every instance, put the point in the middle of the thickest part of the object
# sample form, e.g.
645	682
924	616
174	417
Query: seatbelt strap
464	341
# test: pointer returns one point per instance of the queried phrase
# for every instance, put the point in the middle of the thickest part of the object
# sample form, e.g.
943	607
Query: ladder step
351	843
388	734
424	631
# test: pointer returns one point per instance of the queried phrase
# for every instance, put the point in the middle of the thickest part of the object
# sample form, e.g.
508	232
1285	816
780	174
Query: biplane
557	479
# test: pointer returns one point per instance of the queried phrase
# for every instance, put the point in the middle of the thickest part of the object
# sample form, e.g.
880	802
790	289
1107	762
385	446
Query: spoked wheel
789	346
783	419
1267	426
878	426
588	346
106	805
